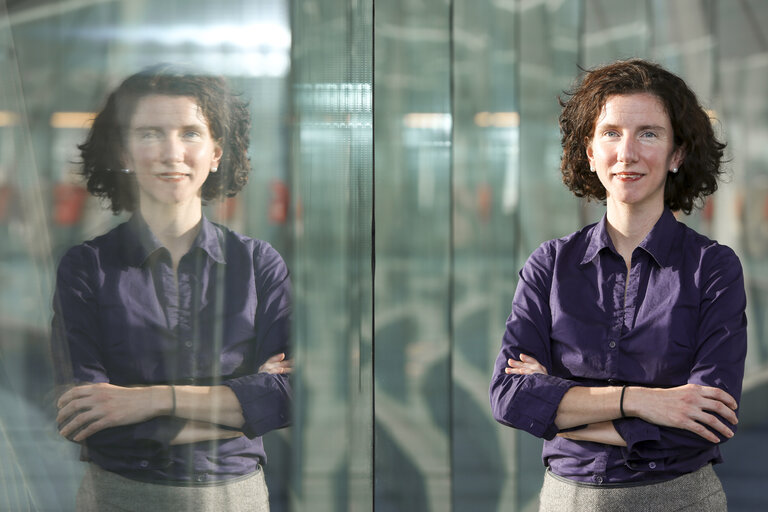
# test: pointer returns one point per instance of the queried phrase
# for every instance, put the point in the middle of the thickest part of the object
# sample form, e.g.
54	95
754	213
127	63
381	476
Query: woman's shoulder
243	249
573	242
702	247
238	241
95	247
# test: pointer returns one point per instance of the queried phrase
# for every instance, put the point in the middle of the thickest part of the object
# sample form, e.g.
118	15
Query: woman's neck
175	226
628	226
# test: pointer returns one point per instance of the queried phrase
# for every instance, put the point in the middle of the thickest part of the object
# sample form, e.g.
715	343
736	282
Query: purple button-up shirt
676	317
121	315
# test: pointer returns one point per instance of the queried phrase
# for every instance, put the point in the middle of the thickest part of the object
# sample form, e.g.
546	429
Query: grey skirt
104	491
699	491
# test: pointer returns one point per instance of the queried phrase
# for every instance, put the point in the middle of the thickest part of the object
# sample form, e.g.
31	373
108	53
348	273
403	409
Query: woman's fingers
691	407
277	364
87	409
527	365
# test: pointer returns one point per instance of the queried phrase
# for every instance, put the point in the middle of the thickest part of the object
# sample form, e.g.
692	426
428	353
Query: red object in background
278	206
709	209
226	209
6	193
484	196
765	208
68	202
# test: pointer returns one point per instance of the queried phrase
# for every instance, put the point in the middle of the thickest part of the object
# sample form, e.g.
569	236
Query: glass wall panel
332	166
412	121
485	235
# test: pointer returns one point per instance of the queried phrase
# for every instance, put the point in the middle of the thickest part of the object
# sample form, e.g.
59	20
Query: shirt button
200	478
652	465
144	463
612	344
598	479
188	343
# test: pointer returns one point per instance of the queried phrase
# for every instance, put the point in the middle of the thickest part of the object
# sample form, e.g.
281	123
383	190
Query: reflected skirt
104	491
699	491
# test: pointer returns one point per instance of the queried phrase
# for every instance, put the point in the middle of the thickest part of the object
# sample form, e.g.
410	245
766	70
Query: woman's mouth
171	176
628	176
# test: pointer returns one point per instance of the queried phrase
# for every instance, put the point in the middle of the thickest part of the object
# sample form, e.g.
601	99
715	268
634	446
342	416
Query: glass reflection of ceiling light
72	119
8	118
261	49
428	120
264	36
497	119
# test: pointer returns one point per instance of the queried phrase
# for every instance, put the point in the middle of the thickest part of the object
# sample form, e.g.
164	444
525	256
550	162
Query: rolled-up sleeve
529	402
265	399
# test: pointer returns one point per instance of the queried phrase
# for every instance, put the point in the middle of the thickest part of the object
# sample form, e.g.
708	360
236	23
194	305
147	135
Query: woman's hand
688	407
602	432
90	408
277	364
527	365
196	431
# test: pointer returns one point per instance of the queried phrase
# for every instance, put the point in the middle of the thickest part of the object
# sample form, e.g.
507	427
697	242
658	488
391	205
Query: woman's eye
149	135
649	135
611	133
191	135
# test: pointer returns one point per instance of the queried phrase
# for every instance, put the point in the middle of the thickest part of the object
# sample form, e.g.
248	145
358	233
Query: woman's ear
590	154
217	153
678	157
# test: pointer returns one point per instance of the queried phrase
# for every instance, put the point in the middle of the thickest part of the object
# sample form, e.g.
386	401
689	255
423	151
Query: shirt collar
657	243
144	243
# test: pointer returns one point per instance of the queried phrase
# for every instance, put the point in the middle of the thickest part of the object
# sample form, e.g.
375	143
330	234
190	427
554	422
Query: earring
126	171
214	169
592	169
673	170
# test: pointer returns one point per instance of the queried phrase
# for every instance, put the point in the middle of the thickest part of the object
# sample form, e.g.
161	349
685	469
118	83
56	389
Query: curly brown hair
697	176
228	119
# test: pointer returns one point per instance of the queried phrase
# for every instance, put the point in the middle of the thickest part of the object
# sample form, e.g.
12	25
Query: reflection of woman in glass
626	343
175	329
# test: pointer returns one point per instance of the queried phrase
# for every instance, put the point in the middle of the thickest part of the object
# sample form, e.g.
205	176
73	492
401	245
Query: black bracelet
173	396
621	401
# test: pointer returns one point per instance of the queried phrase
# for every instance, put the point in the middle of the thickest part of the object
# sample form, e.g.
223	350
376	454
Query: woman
173	329
626	343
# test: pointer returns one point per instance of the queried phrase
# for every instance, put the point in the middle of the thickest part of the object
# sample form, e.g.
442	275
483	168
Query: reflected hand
687	407
277	364
527	365
90	408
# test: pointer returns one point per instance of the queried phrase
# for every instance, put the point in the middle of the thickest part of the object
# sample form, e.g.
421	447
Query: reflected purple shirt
120	316
677	318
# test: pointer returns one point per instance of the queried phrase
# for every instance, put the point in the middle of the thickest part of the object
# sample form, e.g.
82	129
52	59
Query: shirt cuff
532	405
634	431
265	400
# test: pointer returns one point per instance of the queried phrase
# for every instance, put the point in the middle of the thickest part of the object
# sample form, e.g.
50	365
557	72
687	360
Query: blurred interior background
405	157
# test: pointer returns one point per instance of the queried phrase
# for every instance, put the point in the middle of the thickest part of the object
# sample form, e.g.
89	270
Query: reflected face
632	150
170	149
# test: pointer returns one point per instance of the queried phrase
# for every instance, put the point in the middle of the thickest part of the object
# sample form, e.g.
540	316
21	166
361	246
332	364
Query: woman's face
170	149
632	150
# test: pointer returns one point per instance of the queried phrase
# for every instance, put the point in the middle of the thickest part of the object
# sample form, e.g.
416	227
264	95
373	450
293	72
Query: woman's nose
173	150
627	150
